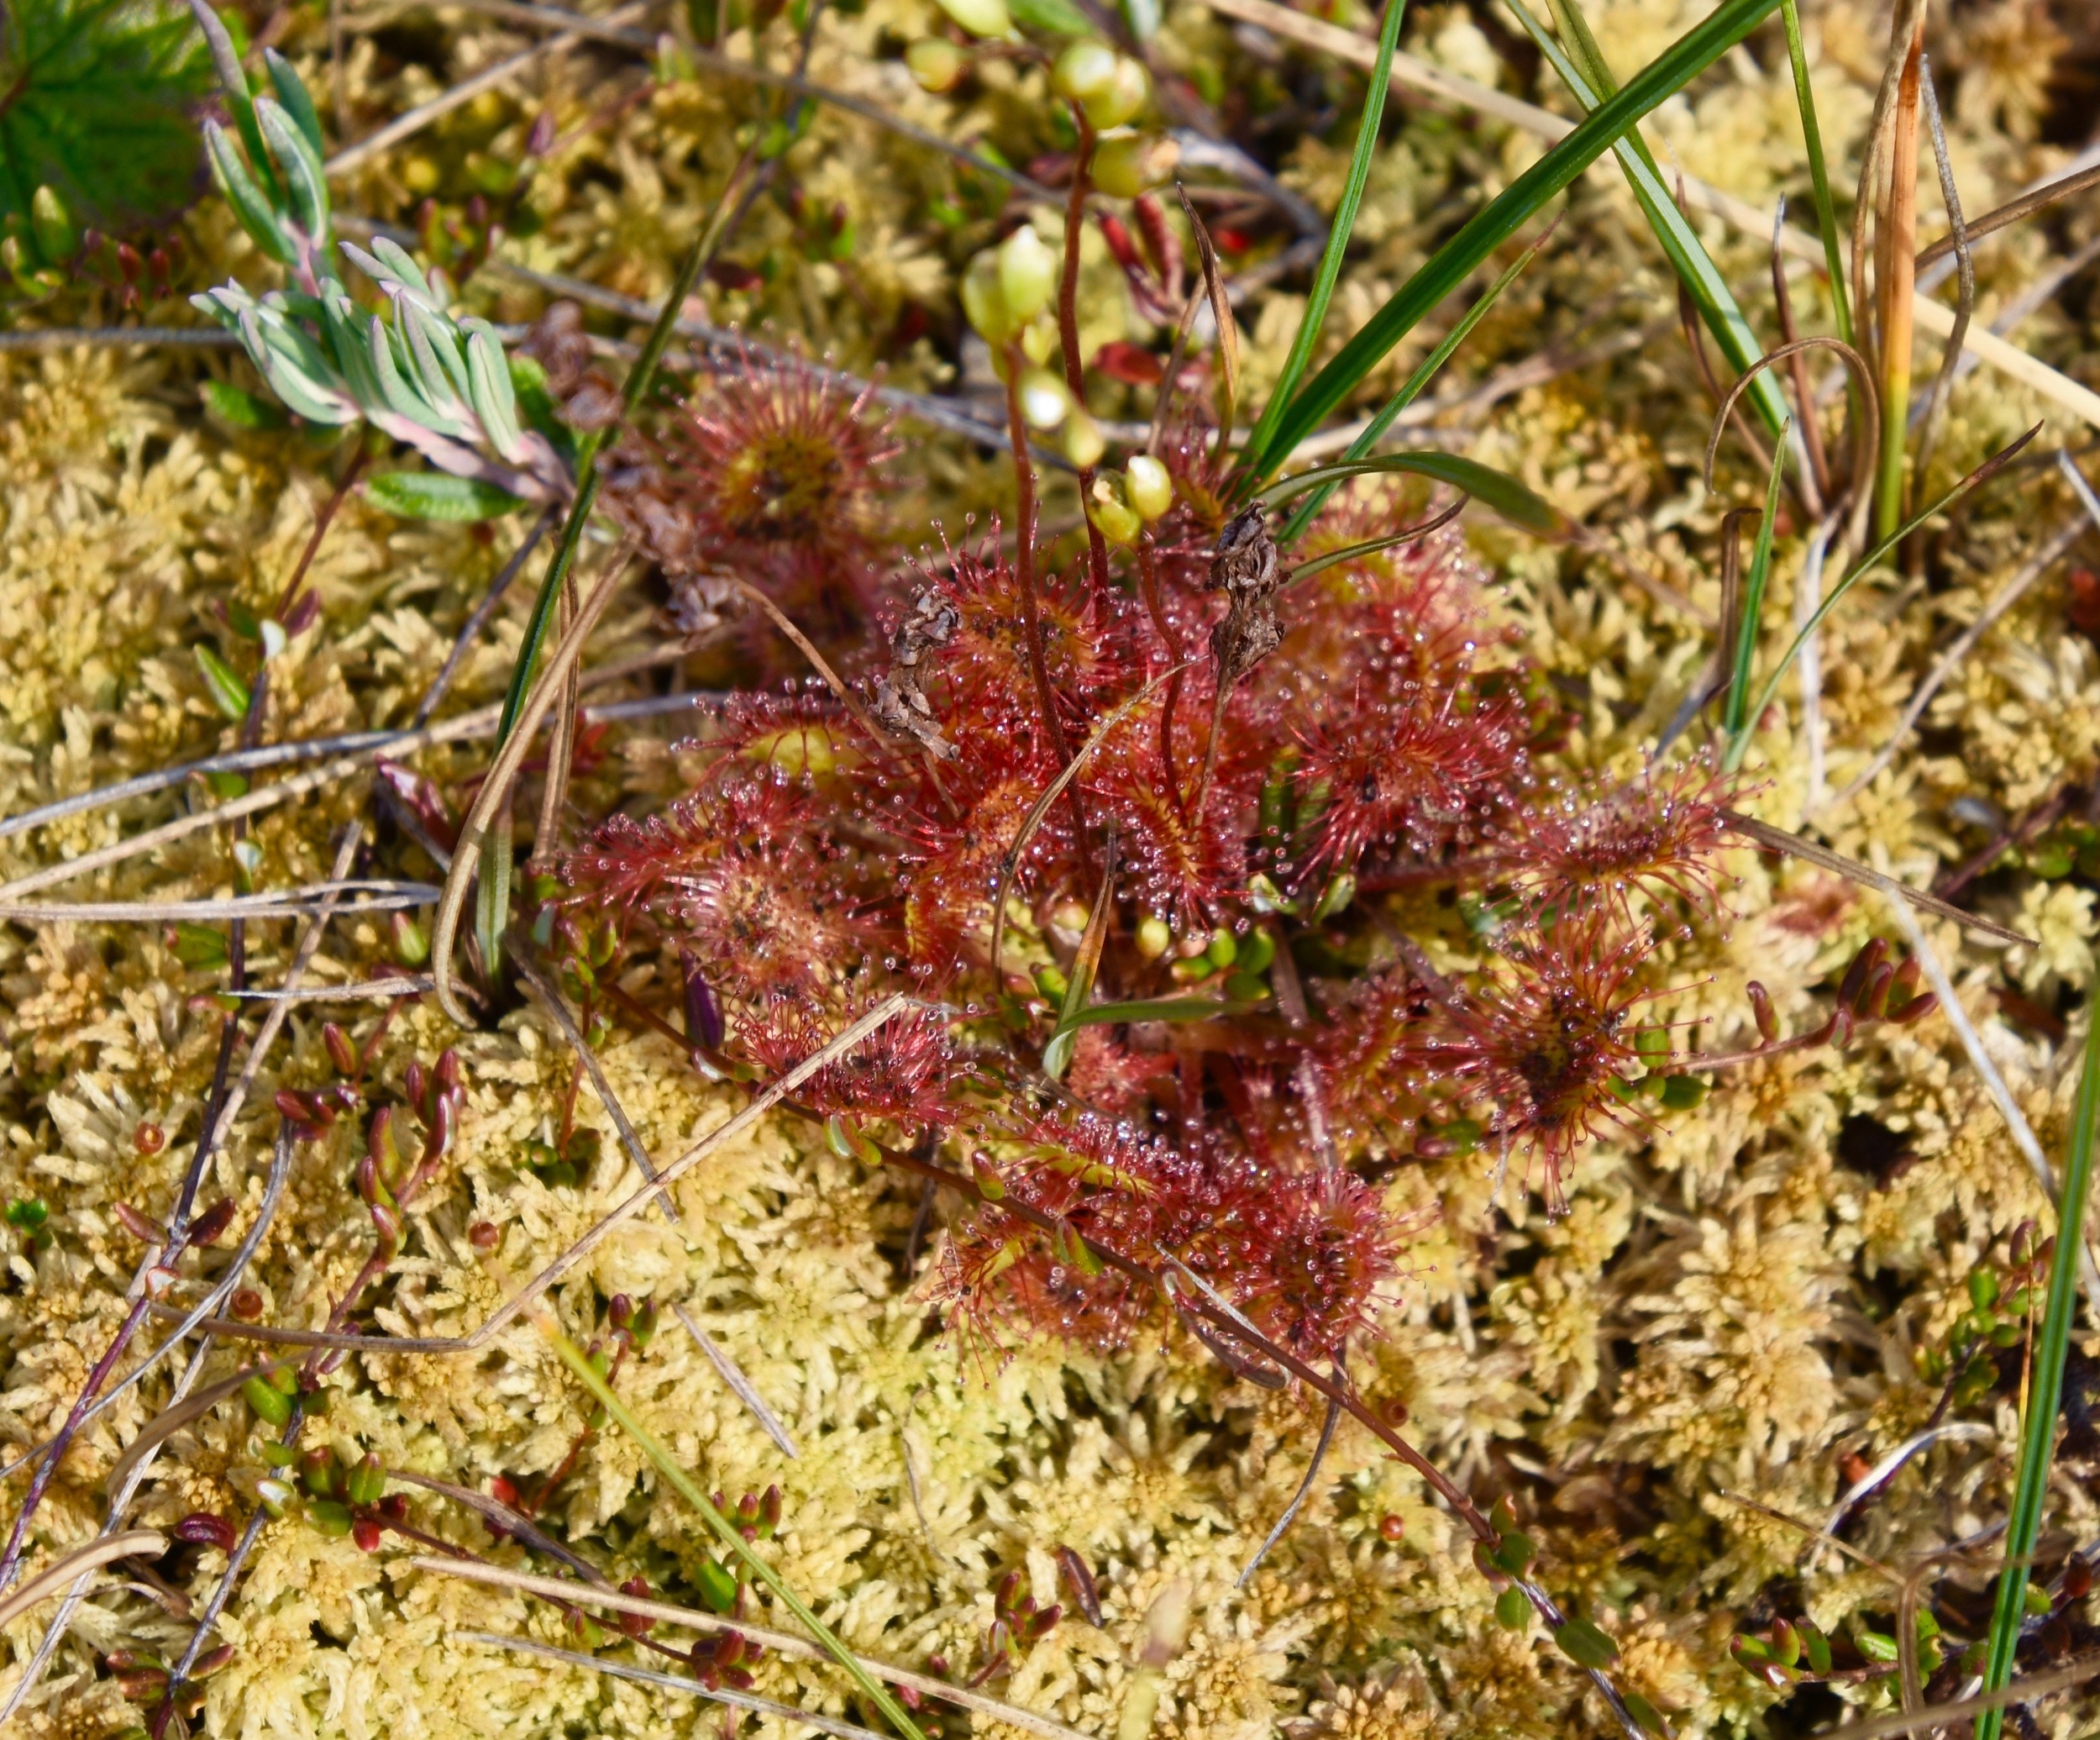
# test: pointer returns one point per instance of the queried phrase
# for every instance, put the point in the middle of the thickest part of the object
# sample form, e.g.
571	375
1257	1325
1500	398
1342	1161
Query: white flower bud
1083	442
1027	274
936	63
984	303
1123	98
980	18
1044	403
1148	486
1085	70
1116	520
1126	164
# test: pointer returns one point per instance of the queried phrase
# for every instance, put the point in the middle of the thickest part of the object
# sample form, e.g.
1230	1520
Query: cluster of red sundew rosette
1393	737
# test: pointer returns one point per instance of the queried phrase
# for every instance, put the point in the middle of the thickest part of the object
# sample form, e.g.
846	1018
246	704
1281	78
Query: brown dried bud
201	1528
210	1227
142	1227
1760	1009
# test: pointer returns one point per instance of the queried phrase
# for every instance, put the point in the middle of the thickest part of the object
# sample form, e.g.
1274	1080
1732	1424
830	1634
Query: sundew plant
919	962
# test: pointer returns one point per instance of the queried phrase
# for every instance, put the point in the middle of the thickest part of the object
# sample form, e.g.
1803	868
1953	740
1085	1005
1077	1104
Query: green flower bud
1084	443
936	63
1154	938
984	305
1125	95
1126	164
980	18
1117	520
1044	403
1027	275
1084	71
1147	487
1039	339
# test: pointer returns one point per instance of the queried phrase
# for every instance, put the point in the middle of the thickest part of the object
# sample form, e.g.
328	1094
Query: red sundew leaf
1131	364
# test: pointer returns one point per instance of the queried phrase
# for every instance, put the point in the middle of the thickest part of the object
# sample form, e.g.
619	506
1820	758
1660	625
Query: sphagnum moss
1747	1298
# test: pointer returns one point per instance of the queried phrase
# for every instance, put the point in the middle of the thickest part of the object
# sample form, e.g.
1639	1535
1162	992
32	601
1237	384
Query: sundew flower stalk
1164	1075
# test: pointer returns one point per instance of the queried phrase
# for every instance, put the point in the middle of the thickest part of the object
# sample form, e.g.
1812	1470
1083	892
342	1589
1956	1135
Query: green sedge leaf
1753	606
432	495
1451	263
1716	304
1329	271
1514	501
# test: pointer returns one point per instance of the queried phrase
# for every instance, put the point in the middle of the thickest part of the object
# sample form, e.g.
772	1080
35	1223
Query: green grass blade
1453	263
1722	314
1345	221
1515	502
1738	744
1430	364
492	901
2038	1431
585	1374
1818	171
1754	594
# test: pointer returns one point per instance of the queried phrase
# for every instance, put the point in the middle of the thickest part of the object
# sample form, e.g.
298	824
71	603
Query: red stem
1069	330
1148	584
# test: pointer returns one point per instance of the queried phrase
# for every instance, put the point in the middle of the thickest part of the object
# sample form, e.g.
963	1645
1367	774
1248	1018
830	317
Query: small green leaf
199	945
1585	1645
1876	1646
229	694
1058	18
432	495
1513	1610
1682	1093
269	1402
241	409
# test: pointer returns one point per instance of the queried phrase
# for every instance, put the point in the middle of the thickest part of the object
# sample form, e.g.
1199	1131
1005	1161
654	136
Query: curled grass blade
1412	388
1738	744
585	1374
1745	630
1329	271
2038	1431
1515	502
1501	219
1718	310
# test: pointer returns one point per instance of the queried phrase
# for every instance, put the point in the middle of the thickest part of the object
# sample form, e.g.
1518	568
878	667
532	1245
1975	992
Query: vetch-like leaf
432	495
